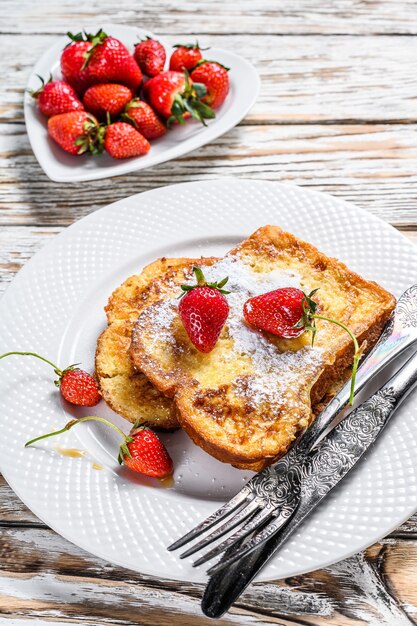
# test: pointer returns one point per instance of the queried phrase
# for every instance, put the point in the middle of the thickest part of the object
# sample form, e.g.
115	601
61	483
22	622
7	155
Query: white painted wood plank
45	576
374	166
304	79
216	16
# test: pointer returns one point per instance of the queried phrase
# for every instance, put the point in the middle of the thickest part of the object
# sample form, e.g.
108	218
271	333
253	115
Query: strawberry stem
57	371
356	356
201	282
306	322
78	421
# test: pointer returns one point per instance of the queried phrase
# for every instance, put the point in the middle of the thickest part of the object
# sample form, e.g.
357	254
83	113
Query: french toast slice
127	391
248	399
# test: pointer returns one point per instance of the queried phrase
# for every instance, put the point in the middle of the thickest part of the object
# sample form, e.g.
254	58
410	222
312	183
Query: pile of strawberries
112	100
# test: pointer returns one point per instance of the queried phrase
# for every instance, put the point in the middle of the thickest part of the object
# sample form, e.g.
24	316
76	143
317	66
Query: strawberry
76	386
145	453
144	119
288	312
107	98
185	57
215	78
203	310
76	132
56	96
109	61
150	55
123	141
141	450
79	387
72	61
277	312
174	96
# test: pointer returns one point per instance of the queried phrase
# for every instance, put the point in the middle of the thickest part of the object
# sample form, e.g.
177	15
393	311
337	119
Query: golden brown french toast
246	400
127	391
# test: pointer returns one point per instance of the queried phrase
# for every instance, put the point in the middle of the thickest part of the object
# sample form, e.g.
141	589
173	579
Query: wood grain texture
342	594
372	165
303	79
215	16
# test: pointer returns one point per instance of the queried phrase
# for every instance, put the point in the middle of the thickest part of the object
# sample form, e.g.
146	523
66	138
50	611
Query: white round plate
55	307
63	167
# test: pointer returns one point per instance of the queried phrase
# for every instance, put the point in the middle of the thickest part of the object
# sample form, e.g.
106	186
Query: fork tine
256	541
214	518
232	522
253	524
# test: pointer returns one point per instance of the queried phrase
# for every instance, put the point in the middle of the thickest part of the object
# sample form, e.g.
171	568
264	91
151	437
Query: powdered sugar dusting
273	371
159	318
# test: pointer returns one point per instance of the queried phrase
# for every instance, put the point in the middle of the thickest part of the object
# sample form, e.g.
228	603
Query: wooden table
337	112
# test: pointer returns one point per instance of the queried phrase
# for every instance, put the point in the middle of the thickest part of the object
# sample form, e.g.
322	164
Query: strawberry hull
74	131
161	90
174	97
216	80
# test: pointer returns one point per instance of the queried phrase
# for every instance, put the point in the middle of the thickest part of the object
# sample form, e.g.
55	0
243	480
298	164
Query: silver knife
263	492
323	469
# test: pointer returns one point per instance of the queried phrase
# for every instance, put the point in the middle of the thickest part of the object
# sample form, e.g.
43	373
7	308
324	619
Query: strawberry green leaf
200	89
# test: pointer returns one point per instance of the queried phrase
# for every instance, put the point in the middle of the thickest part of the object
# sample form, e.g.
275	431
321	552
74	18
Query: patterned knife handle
323	469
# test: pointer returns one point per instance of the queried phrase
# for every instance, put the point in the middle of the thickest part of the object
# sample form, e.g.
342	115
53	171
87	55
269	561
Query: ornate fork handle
321	471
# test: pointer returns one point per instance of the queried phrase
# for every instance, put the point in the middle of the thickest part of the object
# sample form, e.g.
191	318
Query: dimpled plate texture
55	306
63	167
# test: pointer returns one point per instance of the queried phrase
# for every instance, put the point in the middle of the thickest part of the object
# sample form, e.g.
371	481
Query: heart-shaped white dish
63	167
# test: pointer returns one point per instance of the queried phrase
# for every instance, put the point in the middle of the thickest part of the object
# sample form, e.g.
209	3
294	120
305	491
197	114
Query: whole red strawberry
76	386
277	312
145	453
79	387
185	57
107	98
150	55
141	450
55	97
75	132
287	313
174	96
203	311
109	61
123	141
144	119
73	58
216	80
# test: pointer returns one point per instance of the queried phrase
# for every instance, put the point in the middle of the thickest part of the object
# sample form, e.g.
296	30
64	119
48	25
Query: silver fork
323	470
268	499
